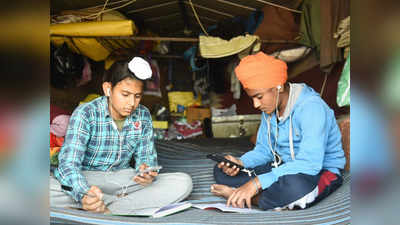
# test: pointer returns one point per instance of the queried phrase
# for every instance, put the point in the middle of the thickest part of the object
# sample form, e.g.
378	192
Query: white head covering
140	67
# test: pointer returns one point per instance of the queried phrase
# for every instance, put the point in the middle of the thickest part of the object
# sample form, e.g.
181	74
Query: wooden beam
203	18
279	6
151	7
173	39
161	17
167	56
211	10
184	14
237	5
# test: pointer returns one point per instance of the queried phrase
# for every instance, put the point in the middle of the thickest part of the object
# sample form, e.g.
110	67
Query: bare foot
221	190
107	211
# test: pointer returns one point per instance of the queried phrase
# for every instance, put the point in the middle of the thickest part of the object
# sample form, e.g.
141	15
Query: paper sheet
224	208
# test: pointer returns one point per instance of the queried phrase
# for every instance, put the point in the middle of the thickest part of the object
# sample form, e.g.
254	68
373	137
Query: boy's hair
118	72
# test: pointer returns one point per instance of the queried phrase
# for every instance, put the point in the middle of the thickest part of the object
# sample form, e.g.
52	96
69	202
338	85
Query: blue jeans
287	189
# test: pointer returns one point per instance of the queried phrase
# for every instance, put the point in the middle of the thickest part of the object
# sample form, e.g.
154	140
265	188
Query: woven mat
190	158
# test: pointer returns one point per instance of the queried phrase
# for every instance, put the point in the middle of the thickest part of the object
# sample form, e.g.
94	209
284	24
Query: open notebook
160	212
222	207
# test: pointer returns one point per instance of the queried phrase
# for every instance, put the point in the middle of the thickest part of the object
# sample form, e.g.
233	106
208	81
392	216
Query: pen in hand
68	188
106	198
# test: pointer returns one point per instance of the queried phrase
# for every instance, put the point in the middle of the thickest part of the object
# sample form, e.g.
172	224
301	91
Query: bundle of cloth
58	129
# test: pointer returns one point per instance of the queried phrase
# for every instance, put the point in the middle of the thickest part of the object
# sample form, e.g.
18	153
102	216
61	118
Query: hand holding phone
230	165
149	169
219	158
146	175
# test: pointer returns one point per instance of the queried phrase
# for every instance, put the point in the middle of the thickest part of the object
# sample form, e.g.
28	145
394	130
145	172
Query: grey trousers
167	188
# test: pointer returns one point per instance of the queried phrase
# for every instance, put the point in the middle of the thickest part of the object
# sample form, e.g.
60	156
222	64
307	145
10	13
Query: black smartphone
219	158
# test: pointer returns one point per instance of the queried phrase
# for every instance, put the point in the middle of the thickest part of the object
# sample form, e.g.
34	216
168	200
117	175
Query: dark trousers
287	189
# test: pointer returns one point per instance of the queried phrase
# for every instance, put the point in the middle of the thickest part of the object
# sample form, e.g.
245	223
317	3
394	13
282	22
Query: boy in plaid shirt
103	135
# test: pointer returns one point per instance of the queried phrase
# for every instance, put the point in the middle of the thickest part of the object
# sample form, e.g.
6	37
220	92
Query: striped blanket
190	158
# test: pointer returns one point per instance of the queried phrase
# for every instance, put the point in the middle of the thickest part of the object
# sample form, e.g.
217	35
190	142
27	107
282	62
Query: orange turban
261	71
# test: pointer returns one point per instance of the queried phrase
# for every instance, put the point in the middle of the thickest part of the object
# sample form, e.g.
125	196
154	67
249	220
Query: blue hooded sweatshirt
310	125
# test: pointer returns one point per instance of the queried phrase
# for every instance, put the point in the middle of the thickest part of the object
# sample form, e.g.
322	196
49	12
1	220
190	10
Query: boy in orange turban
298	158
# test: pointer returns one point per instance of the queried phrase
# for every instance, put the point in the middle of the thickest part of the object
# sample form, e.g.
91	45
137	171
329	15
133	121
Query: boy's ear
106	88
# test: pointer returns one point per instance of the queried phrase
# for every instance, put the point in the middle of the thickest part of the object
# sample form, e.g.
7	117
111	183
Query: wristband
255	184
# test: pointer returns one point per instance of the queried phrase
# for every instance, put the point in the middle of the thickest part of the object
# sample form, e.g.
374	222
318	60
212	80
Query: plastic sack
391	81
66	67
343	92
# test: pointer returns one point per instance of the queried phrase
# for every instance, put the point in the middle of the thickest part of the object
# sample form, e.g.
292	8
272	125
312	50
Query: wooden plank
174	39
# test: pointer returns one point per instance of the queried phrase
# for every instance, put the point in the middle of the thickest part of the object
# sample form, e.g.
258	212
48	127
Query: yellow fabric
108	62
91	47
215	47
58	41
157	124
89	98
184	98
97	28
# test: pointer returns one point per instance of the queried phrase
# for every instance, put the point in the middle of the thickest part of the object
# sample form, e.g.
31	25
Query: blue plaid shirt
93	142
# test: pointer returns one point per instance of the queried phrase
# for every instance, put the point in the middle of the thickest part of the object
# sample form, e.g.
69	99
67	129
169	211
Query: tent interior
312	37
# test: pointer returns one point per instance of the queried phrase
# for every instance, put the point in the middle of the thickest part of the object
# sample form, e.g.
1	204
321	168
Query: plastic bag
343	93
66	67
390	91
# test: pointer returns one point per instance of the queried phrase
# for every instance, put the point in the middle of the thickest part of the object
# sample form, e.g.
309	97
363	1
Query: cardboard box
235	126
194	113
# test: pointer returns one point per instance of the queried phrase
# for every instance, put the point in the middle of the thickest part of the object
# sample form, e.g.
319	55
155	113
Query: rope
111	3
343	33
97	14
102	10
323	85
280	6
197	18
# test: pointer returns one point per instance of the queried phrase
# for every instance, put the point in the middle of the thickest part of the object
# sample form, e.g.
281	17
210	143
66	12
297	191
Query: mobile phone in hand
219	158
150	169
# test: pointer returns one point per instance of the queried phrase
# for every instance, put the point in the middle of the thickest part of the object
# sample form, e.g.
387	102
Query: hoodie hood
298	93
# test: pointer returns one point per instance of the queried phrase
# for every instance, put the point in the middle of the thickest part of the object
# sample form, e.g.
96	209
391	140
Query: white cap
140	67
